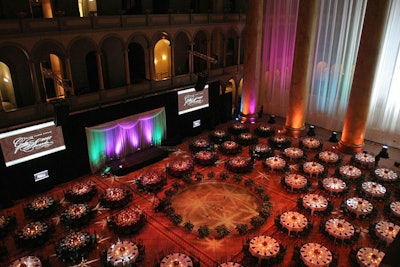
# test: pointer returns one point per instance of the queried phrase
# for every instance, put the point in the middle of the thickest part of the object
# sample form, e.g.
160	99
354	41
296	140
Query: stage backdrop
116	139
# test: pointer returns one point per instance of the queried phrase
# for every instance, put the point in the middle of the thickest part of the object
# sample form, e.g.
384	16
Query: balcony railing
61	24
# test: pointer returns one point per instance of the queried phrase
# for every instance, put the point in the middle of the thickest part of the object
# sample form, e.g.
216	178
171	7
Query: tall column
302	67
252	60
35	82
191	66
127	72
69	74
172	62
352	139
100	71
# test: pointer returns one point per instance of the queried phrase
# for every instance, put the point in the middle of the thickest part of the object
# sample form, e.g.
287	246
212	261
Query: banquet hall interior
199	133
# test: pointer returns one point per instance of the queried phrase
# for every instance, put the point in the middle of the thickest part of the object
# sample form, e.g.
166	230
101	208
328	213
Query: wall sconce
311	130
333	138
271	119
384	154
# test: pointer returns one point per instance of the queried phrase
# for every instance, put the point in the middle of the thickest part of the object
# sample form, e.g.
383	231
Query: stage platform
137	160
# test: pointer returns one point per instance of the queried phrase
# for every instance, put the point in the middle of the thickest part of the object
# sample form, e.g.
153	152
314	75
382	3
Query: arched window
52	77
7	95
162	60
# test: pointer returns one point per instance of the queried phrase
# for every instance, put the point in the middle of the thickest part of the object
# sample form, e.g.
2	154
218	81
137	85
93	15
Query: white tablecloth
365	160
373	189
315	202
395	208
369	257
122	253
27	261
230	264
293	221
314	255
386	231
263	247
328	157
176	260
294	180
334	184
359	206
386	175
339	228
313	168
350	172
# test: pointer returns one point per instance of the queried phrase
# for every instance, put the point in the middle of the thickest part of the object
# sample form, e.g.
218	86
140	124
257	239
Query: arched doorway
137	69
7	94
52	77
162	59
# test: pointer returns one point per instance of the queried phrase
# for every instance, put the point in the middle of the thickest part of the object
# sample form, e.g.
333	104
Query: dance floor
210	201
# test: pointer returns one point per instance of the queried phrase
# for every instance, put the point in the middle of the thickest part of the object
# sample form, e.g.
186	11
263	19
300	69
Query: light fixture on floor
333	138
311	130
271	119
384	154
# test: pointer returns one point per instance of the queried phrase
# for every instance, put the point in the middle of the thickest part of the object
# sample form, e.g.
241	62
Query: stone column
252	60
352	139
127	72
69	74
302	67
100	71
35	82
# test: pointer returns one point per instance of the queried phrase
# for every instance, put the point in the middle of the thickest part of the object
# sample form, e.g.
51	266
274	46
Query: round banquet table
339	228
350	172
359	206
219	136
27	261
293	221
315	202
230	264
293	153
311	143
386	231
328	157
333	184
386	175
373	189
369	257
364	160
122	253
176	260
314	255
313	168
395	208
275	163
295	181
263	247
279	142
